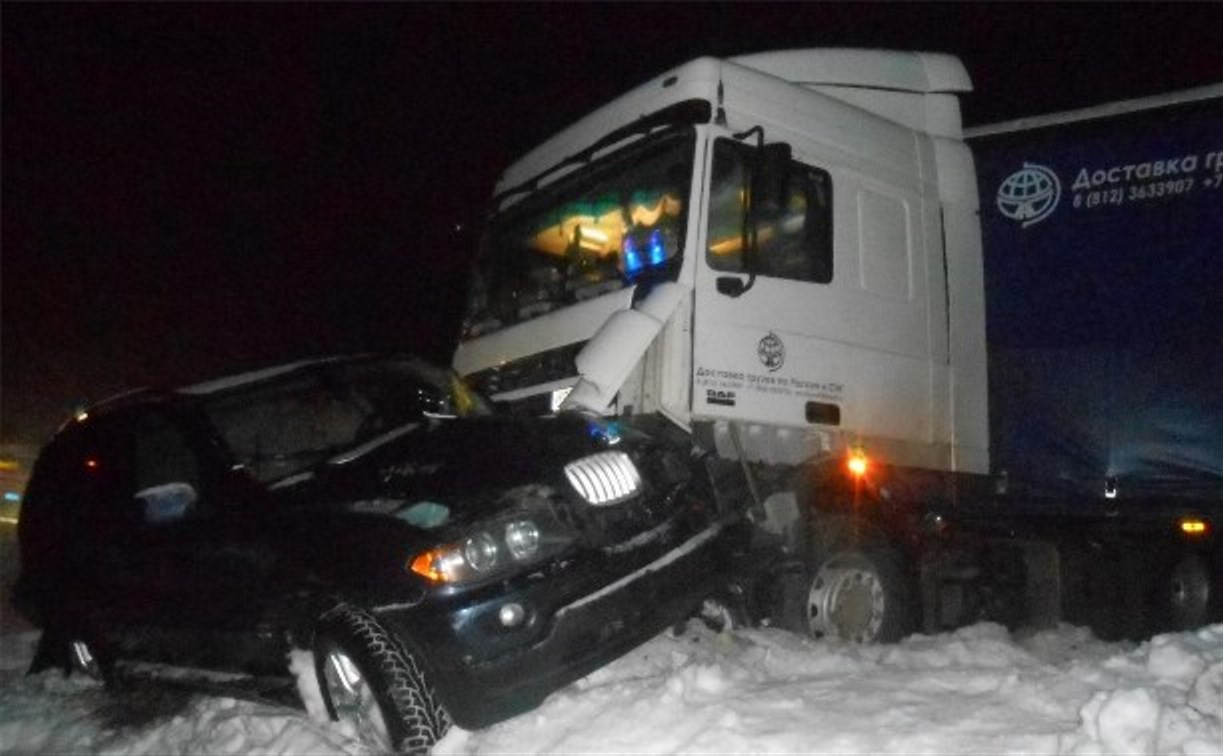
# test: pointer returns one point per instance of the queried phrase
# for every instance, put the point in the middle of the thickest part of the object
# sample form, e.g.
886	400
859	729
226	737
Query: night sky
194	190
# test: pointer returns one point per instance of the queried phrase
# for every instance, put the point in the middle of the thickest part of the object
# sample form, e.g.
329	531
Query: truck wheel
371	681
857	595
1183	598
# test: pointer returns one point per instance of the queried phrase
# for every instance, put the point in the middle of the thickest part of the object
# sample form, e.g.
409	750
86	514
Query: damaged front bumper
486	669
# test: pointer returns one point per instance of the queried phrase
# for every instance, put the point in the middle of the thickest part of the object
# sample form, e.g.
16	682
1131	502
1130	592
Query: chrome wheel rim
717	616
1188	594
845	603
83	660
353	699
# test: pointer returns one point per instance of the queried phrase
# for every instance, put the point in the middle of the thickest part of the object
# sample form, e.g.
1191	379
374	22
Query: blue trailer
1102	234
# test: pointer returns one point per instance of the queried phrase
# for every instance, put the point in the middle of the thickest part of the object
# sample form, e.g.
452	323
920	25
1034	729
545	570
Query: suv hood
464	463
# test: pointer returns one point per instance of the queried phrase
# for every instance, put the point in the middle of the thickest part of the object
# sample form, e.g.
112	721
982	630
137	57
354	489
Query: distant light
91	463
12	496
1194	527
81	416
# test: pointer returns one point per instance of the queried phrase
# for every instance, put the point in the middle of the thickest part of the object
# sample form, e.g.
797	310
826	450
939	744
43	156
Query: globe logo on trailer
1030	194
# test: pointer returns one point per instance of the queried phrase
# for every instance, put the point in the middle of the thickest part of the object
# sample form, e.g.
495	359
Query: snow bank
977	690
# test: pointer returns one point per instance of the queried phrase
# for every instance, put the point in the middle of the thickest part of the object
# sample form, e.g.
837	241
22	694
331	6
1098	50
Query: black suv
444	562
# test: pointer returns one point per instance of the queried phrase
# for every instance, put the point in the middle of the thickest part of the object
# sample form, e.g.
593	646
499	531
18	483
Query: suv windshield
597	230
282	426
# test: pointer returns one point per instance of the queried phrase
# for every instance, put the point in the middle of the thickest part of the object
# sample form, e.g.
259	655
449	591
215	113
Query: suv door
209	548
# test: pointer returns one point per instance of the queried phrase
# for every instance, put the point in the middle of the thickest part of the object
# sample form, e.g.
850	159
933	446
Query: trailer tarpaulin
1104	288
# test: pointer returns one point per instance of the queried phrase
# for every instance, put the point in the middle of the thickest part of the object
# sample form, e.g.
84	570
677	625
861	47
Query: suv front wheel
371	681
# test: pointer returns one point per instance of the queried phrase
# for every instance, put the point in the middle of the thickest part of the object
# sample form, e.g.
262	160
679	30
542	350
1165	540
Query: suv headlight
489	550
522	539
605	478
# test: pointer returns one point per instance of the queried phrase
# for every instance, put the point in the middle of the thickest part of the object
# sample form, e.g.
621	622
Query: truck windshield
597	230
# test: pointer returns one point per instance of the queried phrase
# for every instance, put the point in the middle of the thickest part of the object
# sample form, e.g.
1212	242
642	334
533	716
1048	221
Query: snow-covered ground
978	690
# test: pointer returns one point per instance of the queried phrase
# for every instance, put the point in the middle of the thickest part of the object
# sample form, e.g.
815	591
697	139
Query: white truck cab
781	248
778	259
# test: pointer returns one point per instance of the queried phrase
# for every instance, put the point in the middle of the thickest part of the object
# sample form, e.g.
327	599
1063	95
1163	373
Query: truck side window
794	236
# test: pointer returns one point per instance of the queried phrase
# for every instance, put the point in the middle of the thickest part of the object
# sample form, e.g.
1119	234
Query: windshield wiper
373	443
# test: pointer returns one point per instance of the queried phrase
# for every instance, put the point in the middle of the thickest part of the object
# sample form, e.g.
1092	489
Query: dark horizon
194	190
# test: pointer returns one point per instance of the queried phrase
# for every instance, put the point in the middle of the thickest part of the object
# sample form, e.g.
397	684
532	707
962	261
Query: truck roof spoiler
920	72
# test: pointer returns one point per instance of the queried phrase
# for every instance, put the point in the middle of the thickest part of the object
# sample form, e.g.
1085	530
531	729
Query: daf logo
1030	194
772	352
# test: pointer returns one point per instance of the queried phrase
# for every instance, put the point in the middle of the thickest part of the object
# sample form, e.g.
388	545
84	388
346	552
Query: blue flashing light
12	496
632	260
658	255
607	431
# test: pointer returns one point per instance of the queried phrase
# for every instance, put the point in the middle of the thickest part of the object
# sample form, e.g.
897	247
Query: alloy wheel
353	699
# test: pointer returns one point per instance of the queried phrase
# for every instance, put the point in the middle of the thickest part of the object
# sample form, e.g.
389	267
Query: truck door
831	331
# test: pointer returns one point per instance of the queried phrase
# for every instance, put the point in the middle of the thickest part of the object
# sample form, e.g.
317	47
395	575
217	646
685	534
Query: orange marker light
857	463
1193	527
91	463
428	565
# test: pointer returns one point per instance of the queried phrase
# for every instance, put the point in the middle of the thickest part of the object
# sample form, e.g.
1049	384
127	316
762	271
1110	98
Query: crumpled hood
464	464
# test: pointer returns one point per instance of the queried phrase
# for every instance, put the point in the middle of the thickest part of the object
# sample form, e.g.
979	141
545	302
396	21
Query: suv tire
369	678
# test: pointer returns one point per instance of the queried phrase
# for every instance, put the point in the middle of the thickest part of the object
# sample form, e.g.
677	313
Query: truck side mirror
730	286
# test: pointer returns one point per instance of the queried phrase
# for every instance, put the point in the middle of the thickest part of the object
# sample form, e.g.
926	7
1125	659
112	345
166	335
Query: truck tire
1182	599
369	679
854	594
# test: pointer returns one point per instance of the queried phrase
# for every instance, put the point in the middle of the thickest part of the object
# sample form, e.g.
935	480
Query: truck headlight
605	478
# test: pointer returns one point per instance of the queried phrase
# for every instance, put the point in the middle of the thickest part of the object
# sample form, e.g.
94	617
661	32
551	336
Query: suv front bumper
570	641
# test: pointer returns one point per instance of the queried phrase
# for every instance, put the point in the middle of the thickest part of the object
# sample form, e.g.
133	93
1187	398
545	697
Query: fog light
511	615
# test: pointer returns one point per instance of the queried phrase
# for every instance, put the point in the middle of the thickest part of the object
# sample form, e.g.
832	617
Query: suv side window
165	470
794	238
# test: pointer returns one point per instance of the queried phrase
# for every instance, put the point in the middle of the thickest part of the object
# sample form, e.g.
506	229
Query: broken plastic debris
426	514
